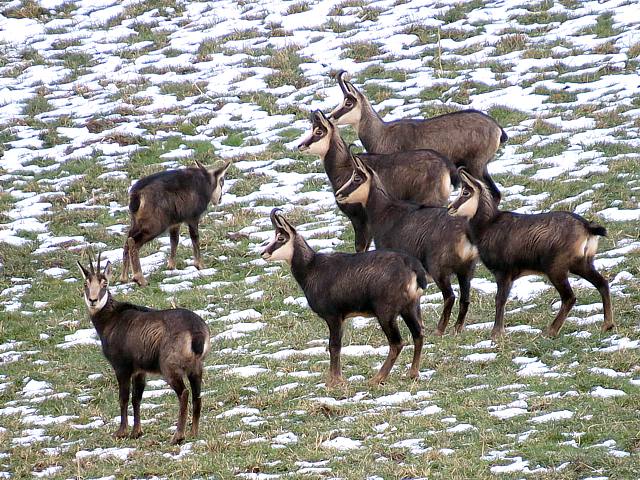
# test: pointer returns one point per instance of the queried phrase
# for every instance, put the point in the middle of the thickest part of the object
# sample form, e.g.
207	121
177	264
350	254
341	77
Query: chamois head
350	110
96	285
216	176
471	192
356	190
317	142
281	247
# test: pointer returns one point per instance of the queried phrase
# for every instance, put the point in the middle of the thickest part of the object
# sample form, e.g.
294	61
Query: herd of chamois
396	195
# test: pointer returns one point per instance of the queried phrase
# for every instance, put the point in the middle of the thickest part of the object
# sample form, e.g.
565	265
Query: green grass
447	77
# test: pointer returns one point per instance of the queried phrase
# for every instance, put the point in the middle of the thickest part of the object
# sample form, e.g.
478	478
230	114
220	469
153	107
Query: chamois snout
452	210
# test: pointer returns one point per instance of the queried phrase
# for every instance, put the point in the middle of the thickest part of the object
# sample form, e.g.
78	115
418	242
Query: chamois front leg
335	346
504	282
174	237
124	276
464	281
362	234
124	382
195	242
139	382
390	328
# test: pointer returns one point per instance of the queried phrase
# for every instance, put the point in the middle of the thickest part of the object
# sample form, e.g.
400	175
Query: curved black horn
274	217
93	272
98	264
339	77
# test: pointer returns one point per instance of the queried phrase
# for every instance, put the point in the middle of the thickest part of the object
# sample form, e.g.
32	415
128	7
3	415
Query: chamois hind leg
195	243
174	237
493	188
504	281
560	280
174	379
138	381
195	380
335	325
591	275
449	298
390	328
412	317
464	282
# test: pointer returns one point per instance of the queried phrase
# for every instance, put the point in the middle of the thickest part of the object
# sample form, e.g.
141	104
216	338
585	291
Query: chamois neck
102	317
336	161
303	255
485	214
379	203
371	127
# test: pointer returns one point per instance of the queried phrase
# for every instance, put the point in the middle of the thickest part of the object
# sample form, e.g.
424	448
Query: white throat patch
93	309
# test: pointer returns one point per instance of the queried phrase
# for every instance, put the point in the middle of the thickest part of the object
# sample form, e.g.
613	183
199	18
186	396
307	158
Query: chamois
163	201
436	239
139	340
513	244
423	176
468	138
342	285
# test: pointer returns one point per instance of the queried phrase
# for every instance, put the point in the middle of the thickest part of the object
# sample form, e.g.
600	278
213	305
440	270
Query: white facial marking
360	194
352	117
469	208
94	289
285	252
320	147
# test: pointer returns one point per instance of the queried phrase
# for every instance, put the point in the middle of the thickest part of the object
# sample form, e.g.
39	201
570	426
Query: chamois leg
174	237
124	382
124	276
561	282
464	281
591	275
495	192
195	380
390	328
139	382
335	346
195	242
134	253
504	282
362	234
413	319
177	384
449	298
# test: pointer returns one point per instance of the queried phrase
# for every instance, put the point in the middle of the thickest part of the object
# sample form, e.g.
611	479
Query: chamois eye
281	238
348	103
357	178
465	193
318	132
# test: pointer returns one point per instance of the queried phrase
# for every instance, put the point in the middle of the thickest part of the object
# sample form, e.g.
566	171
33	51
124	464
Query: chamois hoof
377	380
136	433
177	439
413	374
140	280
550	332
198	264
607	326
496	334
335	381
171	264
120	433
438	333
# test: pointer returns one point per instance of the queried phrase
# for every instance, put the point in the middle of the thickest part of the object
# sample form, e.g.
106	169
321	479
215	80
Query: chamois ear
108	271
286	226
84	271
200	165
222	170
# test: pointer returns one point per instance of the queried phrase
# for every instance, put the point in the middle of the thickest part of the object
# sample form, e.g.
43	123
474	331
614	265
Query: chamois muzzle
451	210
